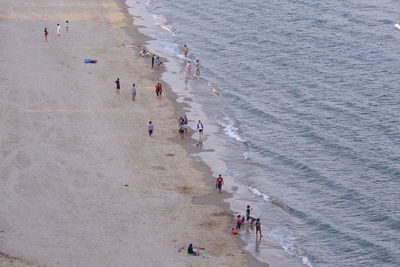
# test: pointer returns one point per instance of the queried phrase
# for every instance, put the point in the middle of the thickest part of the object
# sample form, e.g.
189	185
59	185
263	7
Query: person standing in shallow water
258	228
152	61
200	129
150	128
117	86
197	66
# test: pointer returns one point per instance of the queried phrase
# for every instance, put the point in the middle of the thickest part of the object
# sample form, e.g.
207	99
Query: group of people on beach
250	221
58	30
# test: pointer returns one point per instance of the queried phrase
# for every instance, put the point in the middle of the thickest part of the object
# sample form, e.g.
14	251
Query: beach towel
202	253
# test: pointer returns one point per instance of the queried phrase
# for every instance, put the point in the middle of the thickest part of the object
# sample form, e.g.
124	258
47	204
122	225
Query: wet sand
81	182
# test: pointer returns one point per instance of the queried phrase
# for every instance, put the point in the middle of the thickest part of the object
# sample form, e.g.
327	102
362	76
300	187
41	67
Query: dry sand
81	182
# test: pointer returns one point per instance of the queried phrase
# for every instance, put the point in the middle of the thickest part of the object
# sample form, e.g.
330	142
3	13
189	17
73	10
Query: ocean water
303	101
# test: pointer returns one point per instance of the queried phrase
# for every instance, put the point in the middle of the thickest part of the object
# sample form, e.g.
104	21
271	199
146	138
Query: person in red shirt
219	183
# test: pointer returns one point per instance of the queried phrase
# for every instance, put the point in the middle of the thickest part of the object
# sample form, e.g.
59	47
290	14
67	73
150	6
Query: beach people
58	29
150	128
142	53
185	124
45	34
258	228
133	92
181	130
158	63
152	61
158	90
66	25
234	231
197	66
185	50
188	68
238	222
190	249
248	210
200	129
117	86
219	183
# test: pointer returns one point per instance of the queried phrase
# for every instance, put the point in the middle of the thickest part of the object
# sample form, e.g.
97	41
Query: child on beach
150	127
117	86
58	29
66	25
234	231
133	92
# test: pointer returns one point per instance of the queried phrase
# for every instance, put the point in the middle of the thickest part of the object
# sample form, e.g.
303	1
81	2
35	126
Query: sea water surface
308	100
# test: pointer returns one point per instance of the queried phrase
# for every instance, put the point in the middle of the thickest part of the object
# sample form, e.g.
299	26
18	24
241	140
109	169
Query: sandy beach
81	182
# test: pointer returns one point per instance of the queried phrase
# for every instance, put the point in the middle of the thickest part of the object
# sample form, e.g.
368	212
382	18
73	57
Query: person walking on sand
258	228
152	61
66	25
158	90
133	92
150	127
117	86
219	183
238	222
45	34
200	129
58	29
197	66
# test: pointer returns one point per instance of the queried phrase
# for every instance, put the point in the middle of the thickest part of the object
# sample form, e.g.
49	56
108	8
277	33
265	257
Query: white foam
256	192
286	239
306	261
230	129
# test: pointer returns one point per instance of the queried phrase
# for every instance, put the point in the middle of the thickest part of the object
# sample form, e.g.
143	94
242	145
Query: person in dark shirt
117	86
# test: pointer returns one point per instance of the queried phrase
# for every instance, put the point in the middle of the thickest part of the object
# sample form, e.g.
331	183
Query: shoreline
181	108
86	201
187	92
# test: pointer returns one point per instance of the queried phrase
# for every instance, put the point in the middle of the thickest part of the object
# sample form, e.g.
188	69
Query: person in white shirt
200	129
58	29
